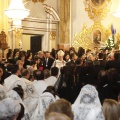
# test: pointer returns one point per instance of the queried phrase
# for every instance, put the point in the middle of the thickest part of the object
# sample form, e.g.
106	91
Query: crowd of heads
87	79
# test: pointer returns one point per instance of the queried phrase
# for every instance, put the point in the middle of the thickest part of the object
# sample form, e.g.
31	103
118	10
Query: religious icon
97	2
97	37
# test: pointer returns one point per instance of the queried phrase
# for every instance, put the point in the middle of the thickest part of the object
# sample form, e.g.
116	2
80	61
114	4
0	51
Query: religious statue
3	43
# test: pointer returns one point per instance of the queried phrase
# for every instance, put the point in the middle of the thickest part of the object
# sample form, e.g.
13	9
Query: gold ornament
97	9
86	38
38	1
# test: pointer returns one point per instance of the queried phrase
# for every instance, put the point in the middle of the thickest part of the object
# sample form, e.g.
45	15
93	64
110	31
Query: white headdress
44	101
60	53
31	98
2	93
14	95
9	108
87	106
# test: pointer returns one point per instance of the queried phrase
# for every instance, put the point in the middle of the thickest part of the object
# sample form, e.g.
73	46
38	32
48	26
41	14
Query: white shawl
31	98
87	106
44	101
13	81
9	108
14	95
2	93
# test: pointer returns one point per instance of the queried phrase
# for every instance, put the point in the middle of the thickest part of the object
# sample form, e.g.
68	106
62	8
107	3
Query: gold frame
85	37
98	3
97	12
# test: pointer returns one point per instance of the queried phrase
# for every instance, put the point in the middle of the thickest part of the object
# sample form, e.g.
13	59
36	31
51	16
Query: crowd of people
60	85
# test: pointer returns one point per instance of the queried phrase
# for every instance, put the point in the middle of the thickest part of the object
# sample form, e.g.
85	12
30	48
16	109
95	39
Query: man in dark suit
48	61
114	63
102	62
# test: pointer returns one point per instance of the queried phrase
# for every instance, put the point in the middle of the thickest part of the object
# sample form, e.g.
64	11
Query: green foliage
111	42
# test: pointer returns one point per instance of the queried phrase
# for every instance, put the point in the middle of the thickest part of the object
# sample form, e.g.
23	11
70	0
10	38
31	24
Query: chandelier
17	12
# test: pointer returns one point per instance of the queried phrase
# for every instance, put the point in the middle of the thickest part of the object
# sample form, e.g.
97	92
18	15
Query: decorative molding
38	1
51	11
97	9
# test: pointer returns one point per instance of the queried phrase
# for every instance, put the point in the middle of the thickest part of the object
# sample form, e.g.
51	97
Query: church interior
59	59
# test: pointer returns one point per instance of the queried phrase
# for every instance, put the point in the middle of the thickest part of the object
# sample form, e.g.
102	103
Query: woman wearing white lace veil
44	101
14	95
87	106
31	98
9	109
2	93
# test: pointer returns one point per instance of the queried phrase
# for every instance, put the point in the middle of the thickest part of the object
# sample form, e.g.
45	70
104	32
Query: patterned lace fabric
87	106
44	101
31	98
14	95
2	93
36	104
9	108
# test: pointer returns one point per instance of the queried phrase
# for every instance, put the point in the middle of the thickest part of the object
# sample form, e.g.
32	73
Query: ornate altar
3	43
91	37
96	35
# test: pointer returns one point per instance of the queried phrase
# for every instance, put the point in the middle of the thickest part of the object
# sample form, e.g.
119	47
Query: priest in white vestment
25	76
39	84
13	80
59	62
50	81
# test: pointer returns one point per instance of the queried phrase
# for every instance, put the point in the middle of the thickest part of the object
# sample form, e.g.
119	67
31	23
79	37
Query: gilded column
64	29
4	19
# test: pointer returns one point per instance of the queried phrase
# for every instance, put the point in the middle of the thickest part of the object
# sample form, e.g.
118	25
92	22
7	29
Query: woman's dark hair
14	69
81	51
78	61
51	89
22	55
19	90
9	67
15	51
54	71
53	53
8	54
21	113
28	54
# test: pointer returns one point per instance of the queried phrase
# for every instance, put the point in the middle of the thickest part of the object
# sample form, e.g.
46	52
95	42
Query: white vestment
40	86
59	64
50	81
14	95
25	80
12	81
